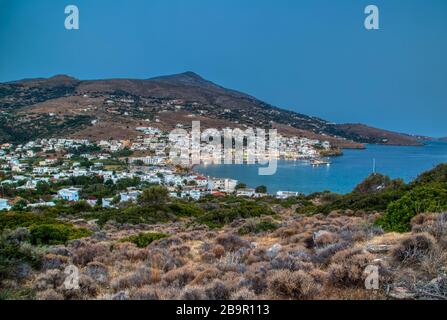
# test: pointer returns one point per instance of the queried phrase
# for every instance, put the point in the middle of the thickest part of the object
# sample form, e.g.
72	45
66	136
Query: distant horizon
314	57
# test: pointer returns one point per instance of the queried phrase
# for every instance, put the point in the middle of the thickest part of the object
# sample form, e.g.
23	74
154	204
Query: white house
151	179
225	185
201	181
4	205
129	196
286	194
194	194
246	193
41	204
70	194
107	202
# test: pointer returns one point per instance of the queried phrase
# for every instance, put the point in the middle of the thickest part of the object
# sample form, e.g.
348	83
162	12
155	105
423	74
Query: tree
261	189
43	188
155	196
19	205
241	185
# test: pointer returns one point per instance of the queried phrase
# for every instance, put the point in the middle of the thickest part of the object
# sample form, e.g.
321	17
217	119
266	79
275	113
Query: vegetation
155	196
422	199
400	202
44	228
257	226
142	240
263	249
53	234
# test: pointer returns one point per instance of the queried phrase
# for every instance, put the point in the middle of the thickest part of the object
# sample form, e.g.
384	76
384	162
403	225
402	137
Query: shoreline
345	172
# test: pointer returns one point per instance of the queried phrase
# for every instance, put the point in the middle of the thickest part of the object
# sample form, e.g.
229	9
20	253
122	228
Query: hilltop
89	108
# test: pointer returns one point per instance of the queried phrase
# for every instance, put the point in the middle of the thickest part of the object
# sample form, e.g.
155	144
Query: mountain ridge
201	98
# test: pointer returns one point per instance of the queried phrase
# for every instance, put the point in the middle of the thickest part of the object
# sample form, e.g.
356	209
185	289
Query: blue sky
311	56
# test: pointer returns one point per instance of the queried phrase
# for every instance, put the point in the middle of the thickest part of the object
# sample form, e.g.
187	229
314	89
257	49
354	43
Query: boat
319	162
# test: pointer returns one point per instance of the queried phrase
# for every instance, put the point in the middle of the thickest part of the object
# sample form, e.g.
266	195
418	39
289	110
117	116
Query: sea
344	172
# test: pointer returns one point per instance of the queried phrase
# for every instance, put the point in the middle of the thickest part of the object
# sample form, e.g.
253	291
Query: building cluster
51	161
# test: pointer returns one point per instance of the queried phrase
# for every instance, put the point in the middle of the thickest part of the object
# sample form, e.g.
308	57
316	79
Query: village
145	161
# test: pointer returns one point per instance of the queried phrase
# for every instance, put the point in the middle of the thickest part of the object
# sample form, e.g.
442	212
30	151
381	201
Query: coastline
345	172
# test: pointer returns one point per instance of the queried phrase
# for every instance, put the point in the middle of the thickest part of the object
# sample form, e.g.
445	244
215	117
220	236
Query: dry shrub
51	279
88	286
180	251
253	258
219	251
414	248
256	255
293	285
121	296
286	232
206	276
232	261
348	267
435	289
289	262
256	278
243	294
87	289
306	239
232	242
169	293
324	255
208	257
155	275
434	224
129	252
137	279
258	283
193	293
420	219
49	294
161	259
217	290
98	272
179	277
434	262
53	261
145	293
166	243
319	276
323	239
85	254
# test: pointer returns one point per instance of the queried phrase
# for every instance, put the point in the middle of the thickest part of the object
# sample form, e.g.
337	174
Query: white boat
318	162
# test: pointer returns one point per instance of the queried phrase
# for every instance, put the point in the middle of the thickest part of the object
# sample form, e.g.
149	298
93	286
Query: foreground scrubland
316	247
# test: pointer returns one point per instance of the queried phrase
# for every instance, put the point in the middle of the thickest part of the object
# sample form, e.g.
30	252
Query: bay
344	173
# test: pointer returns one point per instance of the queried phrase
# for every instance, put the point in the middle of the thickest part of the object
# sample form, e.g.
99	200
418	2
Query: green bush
156	196
142	240
14	220
53	234
218	217
423	199
257	227
13	253
436	175
182	209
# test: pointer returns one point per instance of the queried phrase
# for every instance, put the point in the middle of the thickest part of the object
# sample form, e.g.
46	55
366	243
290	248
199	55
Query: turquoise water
344	173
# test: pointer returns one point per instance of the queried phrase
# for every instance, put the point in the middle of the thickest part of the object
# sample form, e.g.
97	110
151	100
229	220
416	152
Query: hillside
68	106
232	248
